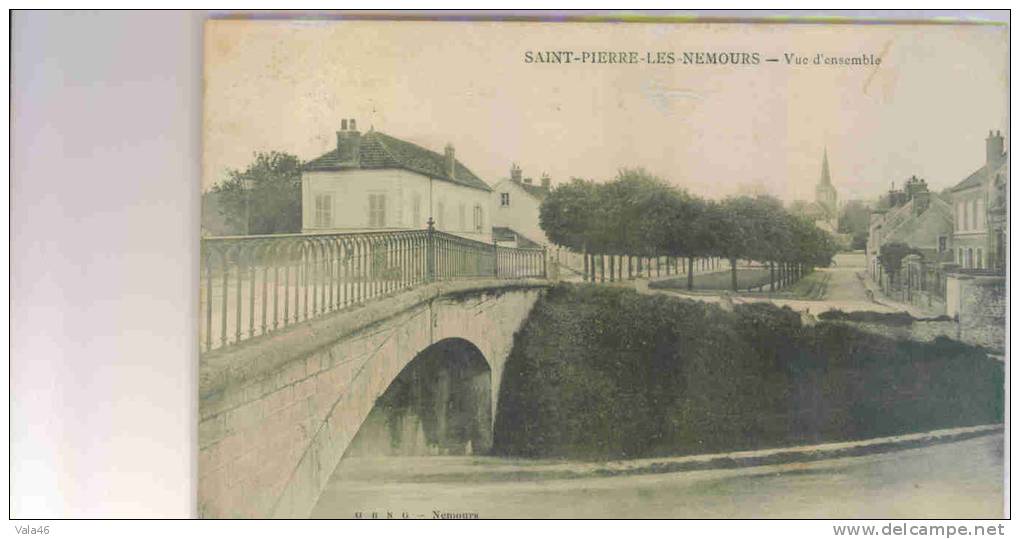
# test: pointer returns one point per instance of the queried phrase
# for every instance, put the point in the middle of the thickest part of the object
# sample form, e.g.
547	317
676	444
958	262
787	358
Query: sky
715	130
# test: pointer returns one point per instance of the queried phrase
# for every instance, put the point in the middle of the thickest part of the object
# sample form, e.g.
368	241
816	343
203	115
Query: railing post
430	251
495	258
545	256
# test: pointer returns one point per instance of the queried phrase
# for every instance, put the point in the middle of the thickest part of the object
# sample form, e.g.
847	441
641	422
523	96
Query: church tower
825	193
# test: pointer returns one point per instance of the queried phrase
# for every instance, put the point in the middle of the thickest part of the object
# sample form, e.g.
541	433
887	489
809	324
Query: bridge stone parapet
278	412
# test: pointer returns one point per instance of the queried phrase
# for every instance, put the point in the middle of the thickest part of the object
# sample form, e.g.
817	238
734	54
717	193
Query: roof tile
379	150
976	177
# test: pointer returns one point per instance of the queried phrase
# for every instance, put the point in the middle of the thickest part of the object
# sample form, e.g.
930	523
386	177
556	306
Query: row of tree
638	214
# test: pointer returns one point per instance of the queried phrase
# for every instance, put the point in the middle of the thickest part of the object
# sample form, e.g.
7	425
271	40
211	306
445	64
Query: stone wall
980	304
277	414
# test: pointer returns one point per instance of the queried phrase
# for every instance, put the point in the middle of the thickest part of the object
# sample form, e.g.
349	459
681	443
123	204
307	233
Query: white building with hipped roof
374	181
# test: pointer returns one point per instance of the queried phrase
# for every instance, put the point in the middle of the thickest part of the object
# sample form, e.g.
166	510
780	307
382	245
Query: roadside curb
550	470
556	471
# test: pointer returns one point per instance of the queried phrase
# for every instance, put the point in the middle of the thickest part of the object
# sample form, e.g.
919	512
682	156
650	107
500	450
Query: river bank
947	479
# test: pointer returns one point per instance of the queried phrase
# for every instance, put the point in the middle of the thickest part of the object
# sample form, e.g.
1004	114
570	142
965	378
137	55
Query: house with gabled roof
516	202
374	181
915	217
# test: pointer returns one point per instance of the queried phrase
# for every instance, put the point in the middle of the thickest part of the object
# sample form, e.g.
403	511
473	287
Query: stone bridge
278	412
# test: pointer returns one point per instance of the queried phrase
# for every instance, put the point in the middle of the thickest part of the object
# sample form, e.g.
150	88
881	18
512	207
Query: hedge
606	373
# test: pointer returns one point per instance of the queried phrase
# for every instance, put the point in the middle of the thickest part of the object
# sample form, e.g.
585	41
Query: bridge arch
439	404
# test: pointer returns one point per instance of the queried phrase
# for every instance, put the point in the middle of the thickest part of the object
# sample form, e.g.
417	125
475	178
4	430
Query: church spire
825	180
825	193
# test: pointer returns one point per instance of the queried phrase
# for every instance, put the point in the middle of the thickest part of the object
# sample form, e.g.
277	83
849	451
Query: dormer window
504	199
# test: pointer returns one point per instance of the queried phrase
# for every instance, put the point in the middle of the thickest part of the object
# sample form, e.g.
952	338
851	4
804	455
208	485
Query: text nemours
436	515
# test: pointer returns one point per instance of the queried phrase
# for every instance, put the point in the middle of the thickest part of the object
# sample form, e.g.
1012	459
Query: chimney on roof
993	148
515	173
546	181
451	162
922	200
897	197
914	185
348	143
917	193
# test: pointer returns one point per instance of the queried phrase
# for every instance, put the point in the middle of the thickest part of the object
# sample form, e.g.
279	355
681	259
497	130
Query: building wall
923	231
980	303
453	209
521	215
409	200
970	227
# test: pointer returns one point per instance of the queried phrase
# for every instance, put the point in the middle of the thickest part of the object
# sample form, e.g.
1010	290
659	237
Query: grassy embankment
602	373
750	282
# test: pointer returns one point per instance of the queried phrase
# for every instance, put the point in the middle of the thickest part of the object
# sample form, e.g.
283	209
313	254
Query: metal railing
255	285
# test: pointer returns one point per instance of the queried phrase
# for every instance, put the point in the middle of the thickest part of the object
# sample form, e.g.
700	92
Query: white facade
970	227
515	208
391	199
973	242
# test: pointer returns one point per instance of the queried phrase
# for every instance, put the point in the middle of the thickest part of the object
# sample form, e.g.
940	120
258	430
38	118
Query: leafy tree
567	214
769	230
767	221
265	197
891	256
854	220
809	247
693	235
647	214
738	233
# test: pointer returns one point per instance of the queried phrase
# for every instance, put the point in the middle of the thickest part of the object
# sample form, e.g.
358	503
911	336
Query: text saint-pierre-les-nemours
694	58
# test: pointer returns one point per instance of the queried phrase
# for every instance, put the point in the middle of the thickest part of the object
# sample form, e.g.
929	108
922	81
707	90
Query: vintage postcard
643	268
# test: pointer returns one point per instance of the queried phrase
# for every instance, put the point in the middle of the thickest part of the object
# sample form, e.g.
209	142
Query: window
979	262
376	210
416	210
504	199
959	256
479	219
323	211
942	244
973	215
970	258
980	214
963	215
462	217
